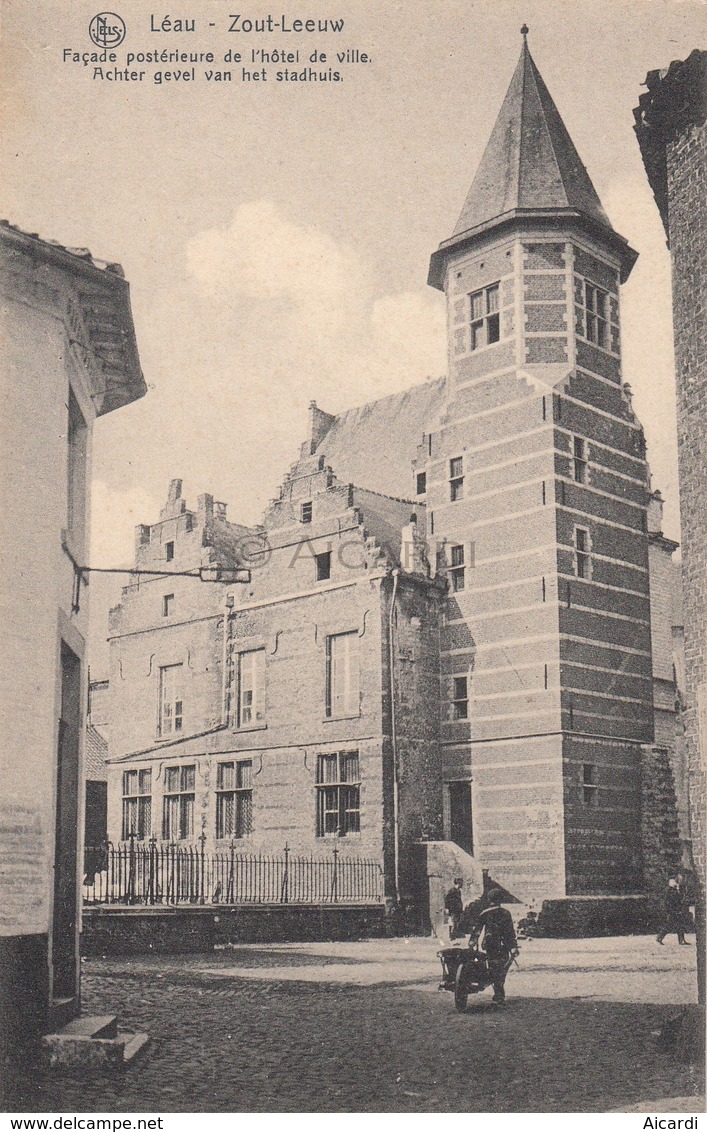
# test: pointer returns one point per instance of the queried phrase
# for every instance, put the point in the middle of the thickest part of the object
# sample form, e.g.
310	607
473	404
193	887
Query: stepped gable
373	446
384	518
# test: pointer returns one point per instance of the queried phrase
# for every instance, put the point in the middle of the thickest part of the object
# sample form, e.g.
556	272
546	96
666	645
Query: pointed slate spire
529	167
530	160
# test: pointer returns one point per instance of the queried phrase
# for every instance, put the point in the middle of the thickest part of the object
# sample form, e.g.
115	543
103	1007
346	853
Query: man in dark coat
674	909
454	906
499	940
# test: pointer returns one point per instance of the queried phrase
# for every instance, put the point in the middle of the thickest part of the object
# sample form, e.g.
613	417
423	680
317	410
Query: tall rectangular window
338	794
485	317
456	478
596	315
457	568
77	443
251	688
342	677
234	799
169	551
171	714
306	512
168	605
178	804
579	455
137	804
460	697
421	483
322	563
582	553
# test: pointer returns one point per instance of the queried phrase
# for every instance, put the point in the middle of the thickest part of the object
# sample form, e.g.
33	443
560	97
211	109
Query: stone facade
329	580
484	541
69	356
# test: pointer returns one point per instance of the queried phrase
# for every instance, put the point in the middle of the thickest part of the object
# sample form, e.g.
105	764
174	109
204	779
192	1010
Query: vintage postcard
353	558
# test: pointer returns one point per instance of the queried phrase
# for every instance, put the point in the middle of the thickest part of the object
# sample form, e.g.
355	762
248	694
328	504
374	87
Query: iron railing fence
153	873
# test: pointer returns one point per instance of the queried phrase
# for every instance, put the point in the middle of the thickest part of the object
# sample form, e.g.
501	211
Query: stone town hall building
447	631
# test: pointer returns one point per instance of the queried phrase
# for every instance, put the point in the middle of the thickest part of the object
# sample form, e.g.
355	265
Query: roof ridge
387	397
546	126
525	54
383	495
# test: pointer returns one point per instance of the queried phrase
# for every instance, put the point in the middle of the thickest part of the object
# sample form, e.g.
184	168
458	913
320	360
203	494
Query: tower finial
524	32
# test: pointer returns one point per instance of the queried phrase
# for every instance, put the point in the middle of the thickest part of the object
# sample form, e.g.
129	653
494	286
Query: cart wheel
460	993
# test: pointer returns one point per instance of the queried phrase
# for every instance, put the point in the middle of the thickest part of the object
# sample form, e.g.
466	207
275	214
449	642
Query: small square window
168	605
323	566
306	512
421	483
169	548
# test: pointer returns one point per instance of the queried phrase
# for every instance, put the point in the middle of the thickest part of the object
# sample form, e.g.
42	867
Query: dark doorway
460	815
64	926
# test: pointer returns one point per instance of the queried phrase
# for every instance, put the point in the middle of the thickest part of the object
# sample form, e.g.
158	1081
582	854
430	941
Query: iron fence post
130	893
335	877
151	875
202	885
284	892
231	895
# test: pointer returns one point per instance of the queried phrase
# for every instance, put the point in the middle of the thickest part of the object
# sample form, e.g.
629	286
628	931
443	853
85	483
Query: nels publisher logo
107	30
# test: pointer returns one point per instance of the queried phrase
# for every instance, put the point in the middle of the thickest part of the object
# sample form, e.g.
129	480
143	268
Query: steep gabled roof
373	446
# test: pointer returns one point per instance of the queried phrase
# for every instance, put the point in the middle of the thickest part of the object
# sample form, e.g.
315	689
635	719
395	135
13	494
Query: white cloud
264	256
300	308
409	333
114	516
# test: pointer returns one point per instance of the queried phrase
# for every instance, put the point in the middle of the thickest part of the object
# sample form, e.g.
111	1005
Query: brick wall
671	129
687	197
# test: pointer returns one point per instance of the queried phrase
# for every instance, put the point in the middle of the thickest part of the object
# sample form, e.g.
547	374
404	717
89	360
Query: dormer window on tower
485	317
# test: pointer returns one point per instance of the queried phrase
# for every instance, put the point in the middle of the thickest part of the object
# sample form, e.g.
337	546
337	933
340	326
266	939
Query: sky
276	236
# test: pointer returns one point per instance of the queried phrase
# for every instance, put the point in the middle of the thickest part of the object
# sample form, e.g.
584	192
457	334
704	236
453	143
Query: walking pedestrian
454	906
674	914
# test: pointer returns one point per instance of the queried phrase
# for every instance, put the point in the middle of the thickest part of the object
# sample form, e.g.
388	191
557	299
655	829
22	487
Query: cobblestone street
363	1027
